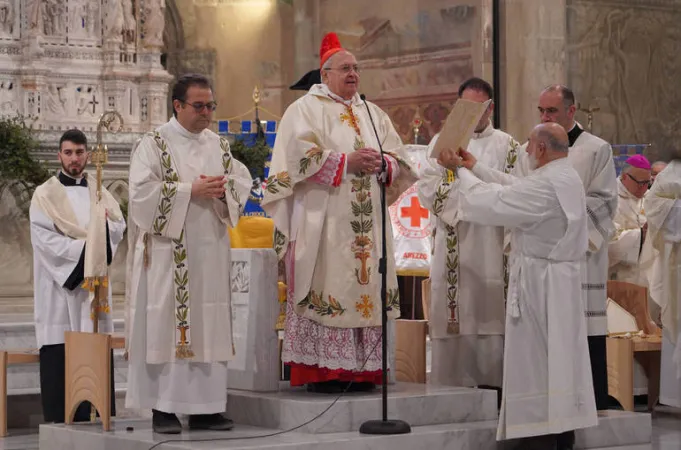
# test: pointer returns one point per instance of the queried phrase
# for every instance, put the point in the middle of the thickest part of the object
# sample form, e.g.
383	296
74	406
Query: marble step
418	404
479	435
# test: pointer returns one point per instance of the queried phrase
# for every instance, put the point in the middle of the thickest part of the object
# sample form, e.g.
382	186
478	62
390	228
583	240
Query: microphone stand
383	426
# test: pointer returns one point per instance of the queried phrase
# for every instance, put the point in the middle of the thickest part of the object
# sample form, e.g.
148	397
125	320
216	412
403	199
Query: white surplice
56	255
467	308
591	157
663	210
547	387
179	310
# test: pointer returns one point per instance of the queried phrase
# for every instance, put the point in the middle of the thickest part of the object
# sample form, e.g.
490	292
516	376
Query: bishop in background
324	198
185	190
61	215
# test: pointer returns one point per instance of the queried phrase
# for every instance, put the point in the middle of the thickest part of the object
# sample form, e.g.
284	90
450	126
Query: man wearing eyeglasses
323	194
625	251
591	157
185	190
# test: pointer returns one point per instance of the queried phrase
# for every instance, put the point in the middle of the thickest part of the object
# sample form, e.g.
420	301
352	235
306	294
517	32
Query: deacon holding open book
74	238
468	274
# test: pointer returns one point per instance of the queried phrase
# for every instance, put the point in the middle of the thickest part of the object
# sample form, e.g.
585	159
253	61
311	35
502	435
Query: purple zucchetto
638	161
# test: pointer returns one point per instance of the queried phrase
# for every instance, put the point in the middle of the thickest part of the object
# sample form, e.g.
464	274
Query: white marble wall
255	308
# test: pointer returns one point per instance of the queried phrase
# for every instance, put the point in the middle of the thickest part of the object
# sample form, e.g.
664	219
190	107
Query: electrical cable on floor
277	433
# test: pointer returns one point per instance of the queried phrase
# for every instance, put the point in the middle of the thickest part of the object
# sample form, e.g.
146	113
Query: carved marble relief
8	16
84	19
623	58
153	22
54	17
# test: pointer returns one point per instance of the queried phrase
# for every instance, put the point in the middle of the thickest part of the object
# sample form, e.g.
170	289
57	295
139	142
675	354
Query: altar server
547	388
468	274
323	194
185	190
592	158
61	214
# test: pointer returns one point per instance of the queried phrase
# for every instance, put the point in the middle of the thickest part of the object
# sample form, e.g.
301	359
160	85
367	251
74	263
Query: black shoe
565	441
165	423
361	386
327	387
213	422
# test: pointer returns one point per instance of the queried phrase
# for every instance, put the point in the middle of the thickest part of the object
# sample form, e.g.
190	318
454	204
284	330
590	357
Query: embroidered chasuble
469	273
662	205
179	251
327	231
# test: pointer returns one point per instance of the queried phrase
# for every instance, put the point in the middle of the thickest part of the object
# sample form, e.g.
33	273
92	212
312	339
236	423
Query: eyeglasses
639	182
347	68
198	107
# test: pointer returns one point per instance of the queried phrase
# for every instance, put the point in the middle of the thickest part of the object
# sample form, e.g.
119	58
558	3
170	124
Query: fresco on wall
413	55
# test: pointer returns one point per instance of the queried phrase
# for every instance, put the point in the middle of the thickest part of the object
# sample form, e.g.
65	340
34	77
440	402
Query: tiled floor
666	434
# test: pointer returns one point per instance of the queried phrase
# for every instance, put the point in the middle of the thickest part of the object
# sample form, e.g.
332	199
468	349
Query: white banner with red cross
412	225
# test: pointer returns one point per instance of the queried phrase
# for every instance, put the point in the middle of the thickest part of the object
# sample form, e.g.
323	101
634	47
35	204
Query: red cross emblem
414	212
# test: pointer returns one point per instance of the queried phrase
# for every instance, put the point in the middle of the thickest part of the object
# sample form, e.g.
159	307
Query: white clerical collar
323	89
487	132
182	130
68	180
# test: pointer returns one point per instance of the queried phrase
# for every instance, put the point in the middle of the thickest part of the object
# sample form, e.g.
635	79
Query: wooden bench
27	356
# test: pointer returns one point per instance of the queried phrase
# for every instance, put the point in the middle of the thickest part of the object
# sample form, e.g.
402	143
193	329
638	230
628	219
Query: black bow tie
68	181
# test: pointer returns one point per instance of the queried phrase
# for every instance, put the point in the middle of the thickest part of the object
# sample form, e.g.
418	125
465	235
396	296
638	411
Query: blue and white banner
248	133
622	152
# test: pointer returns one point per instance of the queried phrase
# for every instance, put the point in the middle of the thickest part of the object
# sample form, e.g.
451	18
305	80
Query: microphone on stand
383	426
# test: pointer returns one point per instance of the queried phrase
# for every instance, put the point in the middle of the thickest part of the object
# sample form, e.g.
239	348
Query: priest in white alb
74	237
592	158
547	387
324	198
663	210
185	190
468	272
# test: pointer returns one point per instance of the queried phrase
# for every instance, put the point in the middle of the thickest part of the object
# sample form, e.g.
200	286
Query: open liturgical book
460	125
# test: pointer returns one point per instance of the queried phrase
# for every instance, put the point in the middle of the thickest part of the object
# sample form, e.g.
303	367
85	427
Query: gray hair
552	142
626	168
565	92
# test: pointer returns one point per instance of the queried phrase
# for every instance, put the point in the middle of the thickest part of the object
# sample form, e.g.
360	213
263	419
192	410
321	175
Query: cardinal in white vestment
547	388
663	211
185	190
592	158
468	272
61	216
324	198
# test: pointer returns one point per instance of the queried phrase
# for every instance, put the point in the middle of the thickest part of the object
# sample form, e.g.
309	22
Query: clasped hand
365	160
451	159
208	187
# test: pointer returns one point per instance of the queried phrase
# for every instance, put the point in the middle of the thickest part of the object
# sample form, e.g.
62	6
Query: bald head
548	142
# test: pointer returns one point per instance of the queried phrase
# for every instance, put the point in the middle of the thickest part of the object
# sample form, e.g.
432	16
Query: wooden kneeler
88	374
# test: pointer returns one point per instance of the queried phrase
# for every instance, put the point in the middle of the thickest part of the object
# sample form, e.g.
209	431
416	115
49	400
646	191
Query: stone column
307	36
533	56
